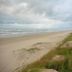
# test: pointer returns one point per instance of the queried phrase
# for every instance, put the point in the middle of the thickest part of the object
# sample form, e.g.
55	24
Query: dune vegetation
47	61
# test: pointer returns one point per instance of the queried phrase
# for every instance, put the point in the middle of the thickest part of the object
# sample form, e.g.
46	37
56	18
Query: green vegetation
29	50
63	66
70	37
45	62
33	49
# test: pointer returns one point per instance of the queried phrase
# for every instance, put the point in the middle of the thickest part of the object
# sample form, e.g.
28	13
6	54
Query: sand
18	51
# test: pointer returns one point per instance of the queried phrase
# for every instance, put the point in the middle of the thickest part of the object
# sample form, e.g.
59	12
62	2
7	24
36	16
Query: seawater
11	30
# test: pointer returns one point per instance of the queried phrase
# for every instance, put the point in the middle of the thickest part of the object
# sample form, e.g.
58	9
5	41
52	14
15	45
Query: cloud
24	11
63	10
37	11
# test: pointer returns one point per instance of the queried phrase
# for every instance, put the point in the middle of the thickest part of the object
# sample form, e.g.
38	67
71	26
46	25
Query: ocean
12	30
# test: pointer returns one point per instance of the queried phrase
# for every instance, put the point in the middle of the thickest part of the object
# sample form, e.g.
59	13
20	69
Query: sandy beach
18	51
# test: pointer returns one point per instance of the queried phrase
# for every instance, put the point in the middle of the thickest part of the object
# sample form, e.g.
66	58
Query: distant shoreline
30	33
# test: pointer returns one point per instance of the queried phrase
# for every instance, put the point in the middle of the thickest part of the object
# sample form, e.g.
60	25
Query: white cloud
39	11
36	18
63	10
7	9
24	11
23	5
63	6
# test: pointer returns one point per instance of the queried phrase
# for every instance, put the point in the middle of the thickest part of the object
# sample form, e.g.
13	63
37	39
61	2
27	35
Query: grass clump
60	66
33	49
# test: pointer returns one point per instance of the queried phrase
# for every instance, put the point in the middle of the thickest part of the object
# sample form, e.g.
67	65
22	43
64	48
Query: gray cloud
60	10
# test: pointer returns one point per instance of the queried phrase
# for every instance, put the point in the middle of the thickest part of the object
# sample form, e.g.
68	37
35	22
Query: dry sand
18	51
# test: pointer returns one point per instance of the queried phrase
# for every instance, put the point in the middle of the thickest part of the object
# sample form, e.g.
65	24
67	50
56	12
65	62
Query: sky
36	13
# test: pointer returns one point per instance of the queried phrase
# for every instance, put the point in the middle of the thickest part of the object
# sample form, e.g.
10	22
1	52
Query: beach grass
44	62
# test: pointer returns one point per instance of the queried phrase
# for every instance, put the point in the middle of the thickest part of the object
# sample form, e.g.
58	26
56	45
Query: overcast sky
49	12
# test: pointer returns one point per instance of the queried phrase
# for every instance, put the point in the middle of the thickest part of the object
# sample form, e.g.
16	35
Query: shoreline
32	33
28	36
13	51
14	34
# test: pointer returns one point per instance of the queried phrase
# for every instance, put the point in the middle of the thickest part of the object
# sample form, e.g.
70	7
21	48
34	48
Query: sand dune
18	51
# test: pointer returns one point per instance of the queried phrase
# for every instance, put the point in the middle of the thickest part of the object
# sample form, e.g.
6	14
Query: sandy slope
15	52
